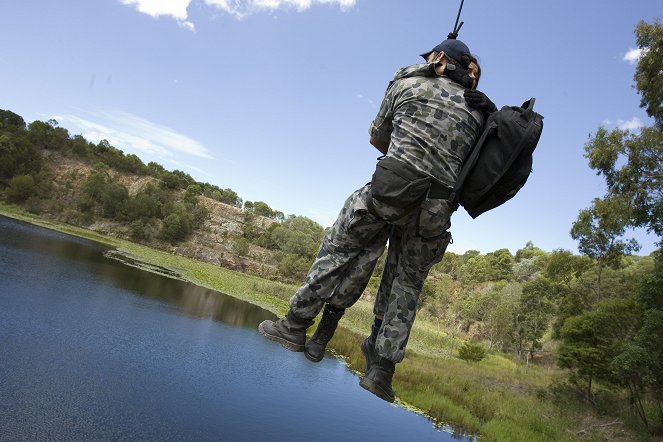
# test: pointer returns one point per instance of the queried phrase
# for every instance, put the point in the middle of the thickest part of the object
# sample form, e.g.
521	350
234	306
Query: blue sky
273	98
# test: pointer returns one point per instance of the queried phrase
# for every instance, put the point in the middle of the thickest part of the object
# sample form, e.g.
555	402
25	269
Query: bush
294	266
241	246
471	352
21	187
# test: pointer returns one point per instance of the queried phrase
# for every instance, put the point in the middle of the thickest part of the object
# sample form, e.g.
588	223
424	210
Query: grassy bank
495	398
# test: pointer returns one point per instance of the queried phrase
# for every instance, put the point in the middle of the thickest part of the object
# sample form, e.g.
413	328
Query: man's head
474	71
455	49
468	76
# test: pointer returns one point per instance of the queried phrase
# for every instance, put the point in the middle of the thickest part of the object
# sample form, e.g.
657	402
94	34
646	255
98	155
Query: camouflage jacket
427	123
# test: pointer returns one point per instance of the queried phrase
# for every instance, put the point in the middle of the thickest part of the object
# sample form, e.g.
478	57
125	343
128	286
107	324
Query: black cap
453	48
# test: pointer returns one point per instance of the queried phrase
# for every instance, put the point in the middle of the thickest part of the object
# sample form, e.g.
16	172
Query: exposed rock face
212	243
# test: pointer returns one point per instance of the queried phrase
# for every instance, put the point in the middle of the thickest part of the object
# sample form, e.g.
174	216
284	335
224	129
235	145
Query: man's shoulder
414	70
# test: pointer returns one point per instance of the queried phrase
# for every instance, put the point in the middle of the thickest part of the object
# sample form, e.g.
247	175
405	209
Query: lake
94	349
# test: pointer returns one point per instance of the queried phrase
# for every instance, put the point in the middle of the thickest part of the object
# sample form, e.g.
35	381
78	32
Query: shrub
21	187
471	352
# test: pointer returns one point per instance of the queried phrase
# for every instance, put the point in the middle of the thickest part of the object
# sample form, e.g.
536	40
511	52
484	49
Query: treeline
167	208
157	211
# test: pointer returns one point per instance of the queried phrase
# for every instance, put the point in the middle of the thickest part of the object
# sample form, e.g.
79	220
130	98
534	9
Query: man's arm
380	144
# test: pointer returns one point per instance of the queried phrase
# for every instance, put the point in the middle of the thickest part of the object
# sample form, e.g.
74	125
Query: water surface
91	348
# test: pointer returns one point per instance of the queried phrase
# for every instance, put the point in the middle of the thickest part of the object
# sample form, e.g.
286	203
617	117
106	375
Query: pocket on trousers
434	218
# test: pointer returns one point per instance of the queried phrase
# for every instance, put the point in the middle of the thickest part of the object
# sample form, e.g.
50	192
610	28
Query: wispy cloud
633	55
124	130
633	125
239	9
366	99
173	8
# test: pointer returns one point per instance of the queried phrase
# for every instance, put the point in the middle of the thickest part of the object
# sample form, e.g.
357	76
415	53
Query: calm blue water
92	349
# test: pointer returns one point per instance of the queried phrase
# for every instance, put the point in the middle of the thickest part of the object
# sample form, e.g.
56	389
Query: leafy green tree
294	266
502	263
648	80
564	267
592	340
192	192
532	316
598	231
297	235
18	156
142	206
96	183
476	270
631	163
175	227
650	335
113	200
11	122
528	252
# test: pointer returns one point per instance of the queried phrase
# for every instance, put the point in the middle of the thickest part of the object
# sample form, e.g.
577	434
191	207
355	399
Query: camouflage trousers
350	250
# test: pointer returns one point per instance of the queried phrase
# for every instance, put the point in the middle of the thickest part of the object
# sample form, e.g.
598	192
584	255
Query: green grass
494	398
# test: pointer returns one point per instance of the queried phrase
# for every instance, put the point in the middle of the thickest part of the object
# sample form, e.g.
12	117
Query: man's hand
480	101
381	145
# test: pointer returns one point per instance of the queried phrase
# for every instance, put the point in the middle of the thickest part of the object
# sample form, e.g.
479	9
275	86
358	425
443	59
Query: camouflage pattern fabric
346	259
348	255
427	122
413	249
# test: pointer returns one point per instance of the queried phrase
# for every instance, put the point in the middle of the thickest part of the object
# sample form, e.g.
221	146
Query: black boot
315	347
378	379
368	346
290	331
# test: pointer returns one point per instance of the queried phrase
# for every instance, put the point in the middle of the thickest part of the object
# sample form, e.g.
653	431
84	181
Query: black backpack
500	162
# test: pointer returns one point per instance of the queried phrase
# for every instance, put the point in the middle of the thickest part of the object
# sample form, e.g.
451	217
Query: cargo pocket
434	218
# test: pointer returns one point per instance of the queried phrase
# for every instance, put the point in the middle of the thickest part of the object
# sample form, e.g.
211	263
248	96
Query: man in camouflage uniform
426	123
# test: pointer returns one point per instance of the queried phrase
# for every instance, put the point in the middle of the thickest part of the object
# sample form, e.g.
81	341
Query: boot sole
374	388
312	358
284	342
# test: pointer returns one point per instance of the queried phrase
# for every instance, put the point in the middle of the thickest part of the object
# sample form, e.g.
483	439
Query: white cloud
177	9
173	8
124	130
243	8
634	124
633	55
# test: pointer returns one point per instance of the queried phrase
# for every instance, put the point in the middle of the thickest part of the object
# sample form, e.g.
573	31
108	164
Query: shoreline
495	399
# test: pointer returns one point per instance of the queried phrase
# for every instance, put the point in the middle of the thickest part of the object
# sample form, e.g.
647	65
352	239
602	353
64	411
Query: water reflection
93	349
122	271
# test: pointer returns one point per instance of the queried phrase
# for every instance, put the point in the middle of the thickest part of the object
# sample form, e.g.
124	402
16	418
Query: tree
599	229
113	200
528	252
631	163
592	340
11	122
18	156
532	316
648	79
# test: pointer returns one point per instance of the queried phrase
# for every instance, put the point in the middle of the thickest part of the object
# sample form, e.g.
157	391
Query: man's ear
439	58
